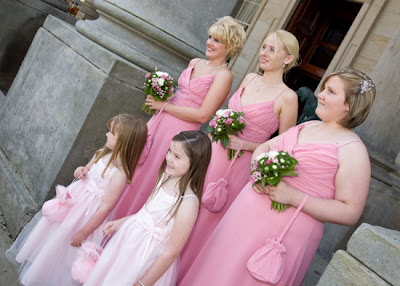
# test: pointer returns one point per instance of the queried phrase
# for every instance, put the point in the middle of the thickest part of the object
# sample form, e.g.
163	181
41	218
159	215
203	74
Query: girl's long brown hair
132	136
197	147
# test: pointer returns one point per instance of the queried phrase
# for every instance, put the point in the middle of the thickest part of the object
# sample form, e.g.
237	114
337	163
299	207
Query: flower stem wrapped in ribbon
223	123
160	85
269	168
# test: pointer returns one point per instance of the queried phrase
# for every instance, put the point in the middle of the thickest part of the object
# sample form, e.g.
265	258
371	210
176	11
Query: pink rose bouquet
269	168
160	85
223	123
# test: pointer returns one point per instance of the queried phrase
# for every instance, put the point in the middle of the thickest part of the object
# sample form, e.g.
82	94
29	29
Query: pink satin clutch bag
56	210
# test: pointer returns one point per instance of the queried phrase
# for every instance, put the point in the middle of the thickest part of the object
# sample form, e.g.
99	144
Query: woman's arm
288	105
115	188
216	95
352	185
184	222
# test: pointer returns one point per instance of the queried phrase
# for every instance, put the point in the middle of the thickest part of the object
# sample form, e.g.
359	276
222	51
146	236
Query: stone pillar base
54	115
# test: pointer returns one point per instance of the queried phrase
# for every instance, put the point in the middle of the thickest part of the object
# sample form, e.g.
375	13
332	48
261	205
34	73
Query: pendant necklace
215	68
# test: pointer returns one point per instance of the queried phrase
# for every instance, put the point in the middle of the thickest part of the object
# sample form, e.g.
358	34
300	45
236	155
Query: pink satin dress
250	222
162	127
225	182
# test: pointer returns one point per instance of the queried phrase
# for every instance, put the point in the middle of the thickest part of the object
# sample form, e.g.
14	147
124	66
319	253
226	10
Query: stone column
73	80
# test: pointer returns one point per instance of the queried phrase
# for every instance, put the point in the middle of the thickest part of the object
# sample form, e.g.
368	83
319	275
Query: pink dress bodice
317	167
260	119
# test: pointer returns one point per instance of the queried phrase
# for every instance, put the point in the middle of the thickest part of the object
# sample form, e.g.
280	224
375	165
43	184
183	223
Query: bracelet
140	283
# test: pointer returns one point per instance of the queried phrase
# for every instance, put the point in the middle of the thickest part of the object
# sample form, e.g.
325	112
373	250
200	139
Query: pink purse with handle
267	264
56	210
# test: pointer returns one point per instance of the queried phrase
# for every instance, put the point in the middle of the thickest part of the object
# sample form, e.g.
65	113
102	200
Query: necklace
260	88
215	68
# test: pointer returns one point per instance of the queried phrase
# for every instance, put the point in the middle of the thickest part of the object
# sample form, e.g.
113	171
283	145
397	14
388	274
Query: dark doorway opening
320	27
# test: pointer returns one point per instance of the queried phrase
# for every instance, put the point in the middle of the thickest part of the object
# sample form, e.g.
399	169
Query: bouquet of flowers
223	123
269	168
160	85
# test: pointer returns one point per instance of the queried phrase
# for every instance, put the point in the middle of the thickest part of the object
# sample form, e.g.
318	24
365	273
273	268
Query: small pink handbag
56	210
267	264
84	265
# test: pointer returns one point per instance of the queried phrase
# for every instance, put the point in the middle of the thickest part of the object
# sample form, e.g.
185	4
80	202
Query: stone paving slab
345	270
379	249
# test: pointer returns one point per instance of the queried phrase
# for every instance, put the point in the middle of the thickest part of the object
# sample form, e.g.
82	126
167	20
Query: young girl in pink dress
46	249
331	186
203	87
267	104
146	245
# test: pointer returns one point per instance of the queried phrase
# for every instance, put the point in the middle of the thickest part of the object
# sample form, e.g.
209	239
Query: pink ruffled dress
226	178
137	244
162	127
43	248
250	222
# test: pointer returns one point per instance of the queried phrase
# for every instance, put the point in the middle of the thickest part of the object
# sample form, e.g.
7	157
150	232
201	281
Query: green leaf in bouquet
274	181
263	181
210	129
288	173
224	140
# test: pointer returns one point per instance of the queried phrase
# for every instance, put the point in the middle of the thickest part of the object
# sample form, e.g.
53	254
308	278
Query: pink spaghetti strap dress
162	127
250	222
261	123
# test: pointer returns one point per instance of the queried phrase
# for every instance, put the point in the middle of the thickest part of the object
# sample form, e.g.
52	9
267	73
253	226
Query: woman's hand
78	238
260	189
235	143
283	193
154	105
112	226
81	172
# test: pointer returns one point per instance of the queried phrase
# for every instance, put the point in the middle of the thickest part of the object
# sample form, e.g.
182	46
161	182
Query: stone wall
20	20
372	258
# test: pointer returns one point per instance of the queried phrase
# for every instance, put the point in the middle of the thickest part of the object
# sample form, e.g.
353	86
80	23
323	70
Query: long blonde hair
132	136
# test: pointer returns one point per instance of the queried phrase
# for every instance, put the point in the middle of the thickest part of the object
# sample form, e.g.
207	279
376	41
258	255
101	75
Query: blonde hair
230	33
360	95
132	136
290	44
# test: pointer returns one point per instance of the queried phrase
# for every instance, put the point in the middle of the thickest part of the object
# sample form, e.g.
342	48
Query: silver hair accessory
366	86
186	139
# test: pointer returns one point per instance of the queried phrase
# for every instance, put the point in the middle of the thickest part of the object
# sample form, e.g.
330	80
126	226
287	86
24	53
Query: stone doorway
320	27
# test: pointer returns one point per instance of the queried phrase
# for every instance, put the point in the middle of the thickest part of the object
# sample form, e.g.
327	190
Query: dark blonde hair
197	146
290	44
229	32
360	95
132	136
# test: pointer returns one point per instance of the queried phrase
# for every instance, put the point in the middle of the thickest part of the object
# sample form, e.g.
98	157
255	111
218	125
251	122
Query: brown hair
360	95
197	147
132	136
290	44
229	32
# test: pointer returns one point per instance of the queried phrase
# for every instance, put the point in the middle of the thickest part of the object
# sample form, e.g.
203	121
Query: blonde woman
203	87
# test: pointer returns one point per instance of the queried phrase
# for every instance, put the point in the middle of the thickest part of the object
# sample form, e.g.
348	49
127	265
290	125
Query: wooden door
320	27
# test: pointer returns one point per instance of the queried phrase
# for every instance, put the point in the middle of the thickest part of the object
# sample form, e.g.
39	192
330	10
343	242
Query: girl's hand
283	193
154	105
78	238
235	142
81	172
260	189
112	226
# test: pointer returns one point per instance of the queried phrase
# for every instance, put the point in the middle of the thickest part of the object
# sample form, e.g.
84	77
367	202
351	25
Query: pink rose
213	123
164	76
269	161
228	112
148	75
229	121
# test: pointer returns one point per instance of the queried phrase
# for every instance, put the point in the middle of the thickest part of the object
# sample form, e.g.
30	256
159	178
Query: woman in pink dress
267	104
328	152
203	87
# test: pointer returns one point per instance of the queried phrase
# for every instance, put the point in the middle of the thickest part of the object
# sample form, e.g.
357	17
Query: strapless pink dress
249	222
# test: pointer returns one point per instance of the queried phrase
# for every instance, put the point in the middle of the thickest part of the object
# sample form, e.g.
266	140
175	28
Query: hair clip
366	86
